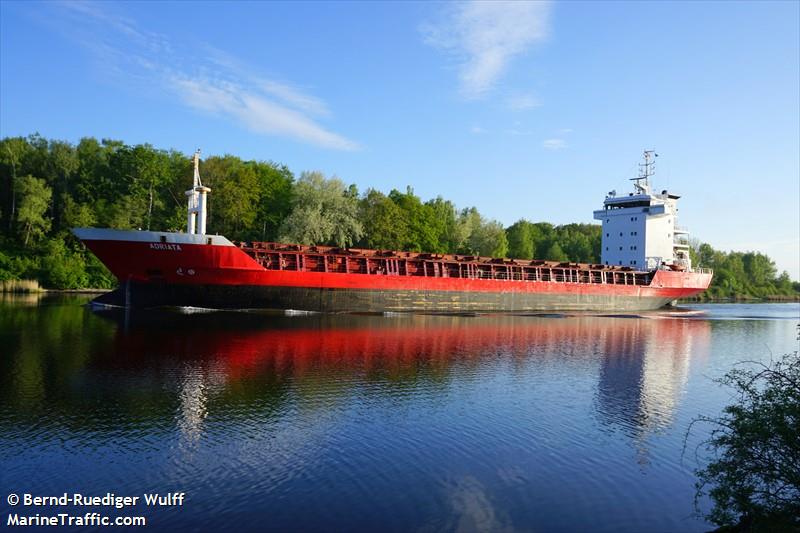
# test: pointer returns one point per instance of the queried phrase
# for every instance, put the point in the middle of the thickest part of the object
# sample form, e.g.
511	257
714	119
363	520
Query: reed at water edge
19	285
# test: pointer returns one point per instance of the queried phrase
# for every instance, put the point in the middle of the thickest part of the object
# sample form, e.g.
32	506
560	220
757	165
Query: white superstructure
641	230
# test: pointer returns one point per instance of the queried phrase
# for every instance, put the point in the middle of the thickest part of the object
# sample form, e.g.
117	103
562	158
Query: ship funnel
197	198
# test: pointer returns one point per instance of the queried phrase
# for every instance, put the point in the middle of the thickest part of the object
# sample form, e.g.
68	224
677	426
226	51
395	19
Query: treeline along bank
50	186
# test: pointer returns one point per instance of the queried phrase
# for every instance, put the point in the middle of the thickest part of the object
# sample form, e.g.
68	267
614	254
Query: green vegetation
48	187
754	476
743	275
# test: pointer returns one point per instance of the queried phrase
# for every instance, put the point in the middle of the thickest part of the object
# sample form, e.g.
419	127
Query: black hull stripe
366	301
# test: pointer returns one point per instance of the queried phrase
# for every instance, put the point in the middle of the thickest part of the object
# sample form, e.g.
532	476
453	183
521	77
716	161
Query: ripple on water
360	423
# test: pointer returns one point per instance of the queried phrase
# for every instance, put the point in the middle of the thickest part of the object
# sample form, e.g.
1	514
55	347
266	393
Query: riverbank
28	286
775	298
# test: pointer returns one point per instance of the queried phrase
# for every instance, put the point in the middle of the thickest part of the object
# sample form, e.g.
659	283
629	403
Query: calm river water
371	423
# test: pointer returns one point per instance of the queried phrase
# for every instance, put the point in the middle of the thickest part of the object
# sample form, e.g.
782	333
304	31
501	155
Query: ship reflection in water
343	422
645	369
643	364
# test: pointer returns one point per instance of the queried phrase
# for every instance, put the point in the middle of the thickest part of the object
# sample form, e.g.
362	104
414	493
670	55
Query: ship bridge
640	230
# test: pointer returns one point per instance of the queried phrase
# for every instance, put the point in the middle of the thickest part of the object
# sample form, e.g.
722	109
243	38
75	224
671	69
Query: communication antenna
646	169
197	201
196	161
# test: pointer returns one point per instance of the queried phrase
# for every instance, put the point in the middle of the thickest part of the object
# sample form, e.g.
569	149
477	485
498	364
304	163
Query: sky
524	110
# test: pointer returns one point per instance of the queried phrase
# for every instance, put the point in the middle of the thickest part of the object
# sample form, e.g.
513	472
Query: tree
574	240
384	222
63	268
235	190
12	153
78	215
543	236
488	238
34	199
759	268
520	240
555	253
444	217
322	213
468	219
63	164
784	283
275	198
754	476
143	172
423	228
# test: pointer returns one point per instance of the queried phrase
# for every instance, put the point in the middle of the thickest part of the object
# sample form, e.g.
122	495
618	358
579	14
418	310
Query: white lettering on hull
165	246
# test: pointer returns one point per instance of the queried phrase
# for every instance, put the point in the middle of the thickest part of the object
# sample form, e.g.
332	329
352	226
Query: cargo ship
645	265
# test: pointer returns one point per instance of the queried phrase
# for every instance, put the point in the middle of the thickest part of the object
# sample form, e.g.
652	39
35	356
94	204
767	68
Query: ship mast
197	198
646	169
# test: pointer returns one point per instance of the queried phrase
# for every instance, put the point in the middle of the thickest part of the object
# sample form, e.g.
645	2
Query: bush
62	268
754	477
16	264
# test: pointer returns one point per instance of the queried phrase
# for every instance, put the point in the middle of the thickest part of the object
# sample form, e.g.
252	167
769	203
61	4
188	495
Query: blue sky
530	110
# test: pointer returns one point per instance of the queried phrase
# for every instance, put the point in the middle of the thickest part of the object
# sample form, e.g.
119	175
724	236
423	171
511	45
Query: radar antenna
646	169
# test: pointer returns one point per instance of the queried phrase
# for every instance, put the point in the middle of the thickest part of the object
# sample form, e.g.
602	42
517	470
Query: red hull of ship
210	275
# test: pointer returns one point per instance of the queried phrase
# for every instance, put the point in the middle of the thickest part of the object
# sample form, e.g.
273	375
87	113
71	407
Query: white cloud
477	130
213	81
486	36
554	144
255	112
281	90
523	102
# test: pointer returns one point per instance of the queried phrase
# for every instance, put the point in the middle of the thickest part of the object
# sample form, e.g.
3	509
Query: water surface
373	423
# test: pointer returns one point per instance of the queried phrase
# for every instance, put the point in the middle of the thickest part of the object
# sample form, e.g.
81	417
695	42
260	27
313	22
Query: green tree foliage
423	228
63	268
488	238
78	215
520	240
580	242
276	189
34	199
13	150
741	274
541	240
140	172
753	477
323	212
444	217
385	225
555	253
235	190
